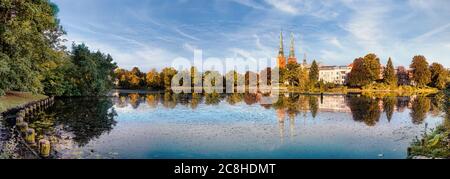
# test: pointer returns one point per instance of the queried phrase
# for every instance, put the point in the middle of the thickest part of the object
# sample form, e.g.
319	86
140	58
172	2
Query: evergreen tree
421	72
314	72
389	74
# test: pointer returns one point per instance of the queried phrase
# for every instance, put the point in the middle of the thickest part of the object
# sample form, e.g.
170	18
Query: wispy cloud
148	33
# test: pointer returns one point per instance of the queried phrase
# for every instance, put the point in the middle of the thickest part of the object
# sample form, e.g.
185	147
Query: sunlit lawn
13	99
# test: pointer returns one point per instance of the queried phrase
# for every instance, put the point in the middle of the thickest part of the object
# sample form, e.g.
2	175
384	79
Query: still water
164	125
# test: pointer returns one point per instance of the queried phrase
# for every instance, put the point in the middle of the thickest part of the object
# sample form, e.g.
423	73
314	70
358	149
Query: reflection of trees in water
437	104
250	98
420	108
86	118
212	99
389	103
364	109
235	98
402	103
314	105
152	100
134	100
195	100
169	100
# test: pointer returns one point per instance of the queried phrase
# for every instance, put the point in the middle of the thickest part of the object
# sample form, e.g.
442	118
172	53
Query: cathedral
281	60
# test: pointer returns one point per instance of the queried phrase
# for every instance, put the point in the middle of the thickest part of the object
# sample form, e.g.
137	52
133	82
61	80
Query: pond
194	126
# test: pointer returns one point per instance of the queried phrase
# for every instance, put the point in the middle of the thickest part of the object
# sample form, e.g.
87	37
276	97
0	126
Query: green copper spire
292	51
281	44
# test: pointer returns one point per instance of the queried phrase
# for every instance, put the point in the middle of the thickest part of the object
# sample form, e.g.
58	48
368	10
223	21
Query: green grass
14	99
434	145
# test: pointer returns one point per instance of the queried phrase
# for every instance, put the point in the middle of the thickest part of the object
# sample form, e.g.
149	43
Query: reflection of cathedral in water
288	106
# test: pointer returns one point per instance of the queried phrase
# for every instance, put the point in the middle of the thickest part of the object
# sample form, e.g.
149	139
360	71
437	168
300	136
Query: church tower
281	61
292	59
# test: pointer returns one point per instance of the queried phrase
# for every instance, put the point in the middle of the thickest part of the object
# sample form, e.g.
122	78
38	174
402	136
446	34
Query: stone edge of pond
26	135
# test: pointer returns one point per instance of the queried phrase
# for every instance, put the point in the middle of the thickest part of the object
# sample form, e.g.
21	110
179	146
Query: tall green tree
438	76
389	74
421	72
29	41
90	74
314	72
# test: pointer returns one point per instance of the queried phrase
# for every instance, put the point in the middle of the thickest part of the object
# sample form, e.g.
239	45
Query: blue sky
151	33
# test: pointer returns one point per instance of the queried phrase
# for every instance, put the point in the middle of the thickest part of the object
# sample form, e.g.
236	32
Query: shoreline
13	101
337	91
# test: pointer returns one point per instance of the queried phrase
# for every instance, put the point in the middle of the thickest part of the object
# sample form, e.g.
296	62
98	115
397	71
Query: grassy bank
437	143
14	99
370	89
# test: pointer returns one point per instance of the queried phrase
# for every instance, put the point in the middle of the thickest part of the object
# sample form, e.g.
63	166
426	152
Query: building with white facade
334	74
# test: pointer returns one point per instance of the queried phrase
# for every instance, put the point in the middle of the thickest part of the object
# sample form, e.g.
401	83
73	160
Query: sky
152	33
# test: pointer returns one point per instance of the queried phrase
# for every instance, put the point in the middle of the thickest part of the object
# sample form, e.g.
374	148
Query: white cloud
284	5
432	32
334	41
185	34
144	57
250	3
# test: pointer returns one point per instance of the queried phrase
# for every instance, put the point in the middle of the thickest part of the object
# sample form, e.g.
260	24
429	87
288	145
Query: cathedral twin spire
281	58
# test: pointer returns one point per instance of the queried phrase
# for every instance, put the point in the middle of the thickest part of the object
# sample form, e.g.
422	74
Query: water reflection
364	109
84	118
88	119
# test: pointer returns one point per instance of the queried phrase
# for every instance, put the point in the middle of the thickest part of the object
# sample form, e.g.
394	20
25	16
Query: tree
389	74
122	78
314	72
373	66
303	78
153	79
29	43
166	75
88	73
136	78
421	72
438	76
292	74
365	71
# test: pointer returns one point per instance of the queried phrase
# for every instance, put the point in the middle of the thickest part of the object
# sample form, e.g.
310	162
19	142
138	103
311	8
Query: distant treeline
366	72
34	59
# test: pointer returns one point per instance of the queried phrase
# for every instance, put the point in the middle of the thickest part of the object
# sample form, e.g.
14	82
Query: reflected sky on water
168	125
